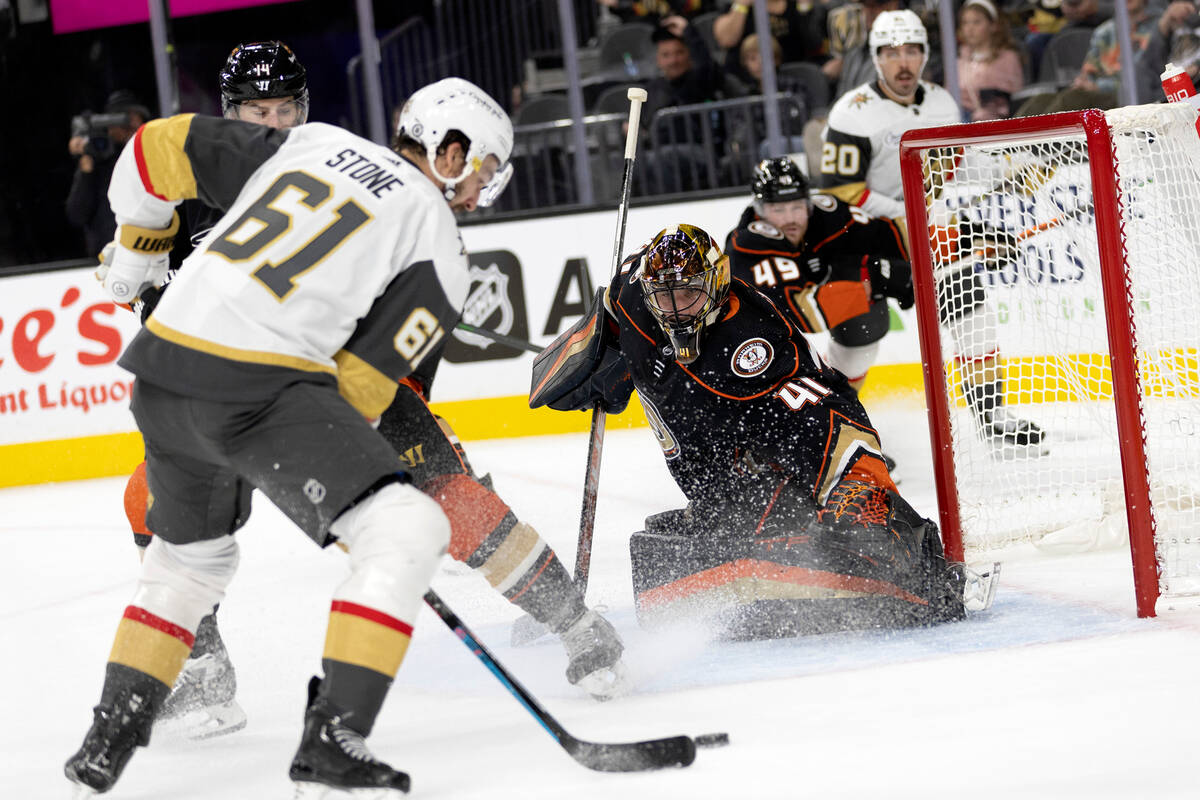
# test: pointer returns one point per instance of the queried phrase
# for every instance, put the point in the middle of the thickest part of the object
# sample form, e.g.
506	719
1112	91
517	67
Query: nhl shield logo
489	294
752	357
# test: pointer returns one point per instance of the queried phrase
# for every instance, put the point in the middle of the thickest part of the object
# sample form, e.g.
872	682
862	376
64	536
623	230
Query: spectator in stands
96	153
1054	16
748	133
687	75
852	64
1185	51
1099	78
799	28
989	66
654	11
750	57
1173	39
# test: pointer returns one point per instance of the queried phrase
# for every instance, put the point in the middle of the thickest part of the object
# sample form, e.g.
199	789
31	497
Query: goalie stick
526	629
591	478
618	757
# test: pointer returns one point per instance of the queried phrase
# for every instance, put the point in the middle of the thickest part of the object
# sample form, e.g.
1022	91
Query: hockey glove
135	259
582	367
993	247
891	278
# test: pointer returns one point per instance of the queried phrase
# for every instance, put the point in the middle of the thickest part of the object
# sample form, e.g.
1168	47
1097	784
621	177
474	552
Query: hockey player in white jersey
335	272
860	164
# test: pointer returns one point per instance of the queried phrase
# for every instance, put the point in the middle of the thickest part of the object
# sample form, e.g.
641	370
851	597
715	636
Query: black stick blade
675	751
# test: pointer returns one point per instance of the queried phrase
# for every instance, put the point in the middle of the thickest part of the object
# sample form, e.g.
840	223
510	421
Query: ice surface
1057	691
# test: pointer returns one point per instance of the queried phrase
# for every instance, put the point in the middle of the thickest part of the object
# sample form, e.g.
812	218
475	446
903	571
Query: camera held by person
96	141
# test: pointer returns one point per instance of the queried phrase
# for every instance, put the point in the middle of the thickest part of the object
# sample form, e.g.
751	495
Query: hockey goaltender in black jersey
793	522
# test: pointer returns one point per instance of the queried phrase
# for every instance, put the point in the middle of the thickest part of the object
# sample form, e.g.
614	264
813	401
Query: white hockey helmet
453	104
896	28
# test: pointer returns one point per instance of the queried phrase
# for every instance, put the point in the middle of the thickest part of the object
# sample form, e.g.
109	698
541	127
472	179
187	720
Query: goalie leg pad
869	561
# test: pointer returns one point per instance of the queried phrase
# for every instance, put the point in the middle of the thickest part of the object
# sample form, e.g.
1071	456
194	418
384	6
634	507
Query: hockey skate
333	761
979	588
109	744
594	652
1002	429
202	704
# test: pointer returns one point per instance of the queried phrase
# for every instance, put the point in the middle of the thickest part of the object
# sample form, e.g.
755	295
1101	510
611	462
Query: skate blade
307	790
203	723
980	588
81	792
607	683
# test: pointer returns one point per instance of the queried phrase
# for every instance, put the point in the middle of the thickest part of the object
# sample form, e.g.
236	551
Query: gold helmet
684	278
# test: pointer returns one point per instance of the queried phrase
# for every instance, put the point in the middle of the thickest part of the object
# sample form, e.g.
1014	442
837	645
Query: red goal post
1081	234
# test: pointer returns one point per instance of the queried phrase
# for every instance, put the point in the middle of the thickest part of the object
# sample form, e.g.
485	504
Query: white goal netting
1014	247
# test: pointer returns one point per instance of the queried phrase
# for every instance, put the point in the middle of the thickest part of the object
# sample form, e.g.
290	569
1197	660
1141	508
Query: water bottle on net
1178	87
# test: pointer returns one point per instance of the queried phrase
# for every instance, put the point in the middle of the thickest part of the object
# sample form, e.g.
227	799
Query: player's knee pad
863	329
474	511
182	582
974	333
959	294
395	538
852	361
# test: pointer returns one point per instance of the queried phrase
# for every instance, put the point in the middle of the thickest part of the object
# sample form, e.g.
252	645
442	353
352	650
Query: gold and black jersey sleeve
404	330
845	159
193	156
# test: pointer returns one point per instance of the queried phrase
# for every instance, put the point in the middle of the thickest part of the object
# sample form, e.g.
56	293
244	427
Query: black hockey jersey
757	420
824	281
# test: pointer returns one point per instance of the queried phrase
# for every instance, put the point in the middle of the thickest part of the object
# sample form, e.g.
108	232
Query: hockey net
1083	232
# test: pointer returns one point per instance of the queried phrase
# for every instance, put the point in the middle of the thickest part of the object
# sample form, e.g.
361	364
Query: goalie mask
262	71
896	29
684	279
453	104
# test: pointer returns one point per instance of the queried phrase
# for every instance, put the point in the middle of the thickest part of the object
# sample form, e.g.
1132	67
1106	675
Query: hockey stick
986	252
591	478
496	336
526	629
622	757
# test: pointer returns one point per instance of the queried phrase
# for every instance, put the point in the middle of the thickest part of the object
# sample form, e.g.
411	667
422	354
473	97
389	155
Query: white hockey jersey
336	258
860	155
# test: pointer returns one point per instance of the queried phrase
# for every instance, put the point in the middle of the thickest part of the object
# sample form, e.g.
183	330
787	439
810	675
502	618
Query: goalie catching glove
137	258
